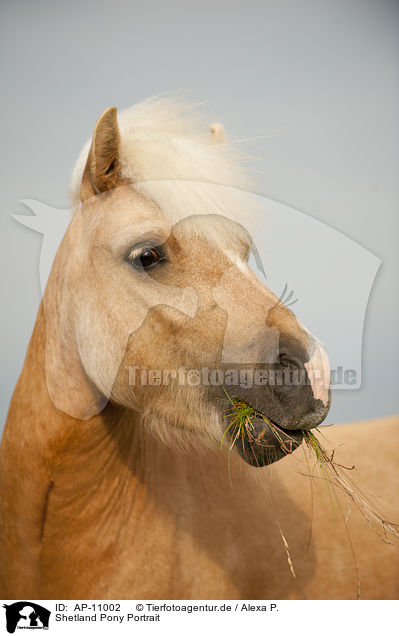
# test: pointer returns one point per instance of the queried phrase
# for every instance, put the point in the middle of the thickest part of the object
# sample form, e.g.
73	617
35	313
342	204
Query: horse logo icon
26	615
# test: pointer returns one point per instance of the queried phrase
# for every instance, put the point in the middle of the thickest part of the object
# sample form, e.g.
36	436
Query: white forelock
170	155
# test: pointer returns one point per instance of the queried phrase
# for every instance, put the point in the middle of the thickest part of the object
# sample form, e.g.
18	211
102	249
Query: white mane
174	158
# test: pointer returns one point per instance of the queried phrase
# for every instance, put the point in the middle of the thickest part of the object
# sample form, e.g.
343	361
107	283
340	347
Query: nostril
289	361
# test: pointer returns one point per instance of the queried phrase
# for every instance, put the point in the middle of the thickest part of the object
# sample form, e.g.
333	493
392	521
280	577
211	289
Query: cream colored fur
169	152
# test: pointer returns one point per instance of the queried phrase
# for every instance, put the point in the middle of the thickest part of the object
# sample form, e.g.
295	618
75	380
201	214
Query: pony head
151	303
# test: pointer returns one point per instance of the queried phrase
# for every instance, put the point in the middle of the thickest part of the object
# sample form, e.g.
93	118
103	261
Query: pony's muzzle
296	399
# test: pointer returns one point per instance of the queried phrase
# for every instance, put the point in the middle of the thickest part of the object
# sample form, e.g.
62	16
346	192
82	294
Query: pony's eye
146	258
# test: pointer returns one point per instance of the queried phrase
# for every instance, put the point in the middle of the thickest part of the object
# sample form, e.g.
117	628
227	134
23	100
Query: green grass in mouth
335	476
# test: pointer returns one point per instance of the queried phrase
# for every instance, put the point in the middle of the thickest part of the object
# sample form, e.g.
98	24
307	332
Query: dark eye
146	258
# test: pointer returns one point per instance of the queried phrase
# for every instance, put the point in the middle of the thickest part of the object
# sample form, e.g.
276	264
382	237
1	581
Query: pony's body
95	519
97	499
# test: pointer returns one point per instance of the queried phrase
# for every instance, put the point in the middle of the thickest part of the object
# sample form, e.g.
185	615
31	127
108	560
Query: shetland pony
114	472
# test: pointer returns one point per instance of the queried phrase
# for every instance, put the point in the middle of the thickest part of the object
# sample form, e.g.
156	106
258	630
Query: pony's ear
217	132
101	172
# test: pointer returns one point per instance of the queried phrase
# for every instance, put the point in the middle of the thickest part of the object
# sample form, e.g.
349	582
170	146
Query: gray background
317	78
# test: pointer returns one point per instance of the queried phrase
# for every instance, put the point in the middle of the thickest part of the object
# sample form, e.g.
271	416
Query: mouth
259	440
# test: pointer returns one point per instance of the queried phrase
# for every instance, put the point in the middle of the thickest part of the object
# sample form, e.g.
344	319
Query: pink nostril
318	370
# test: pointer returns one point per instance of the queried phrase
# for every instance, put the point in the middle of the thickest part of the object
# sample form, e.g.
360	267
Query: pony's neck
111	448
115	434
